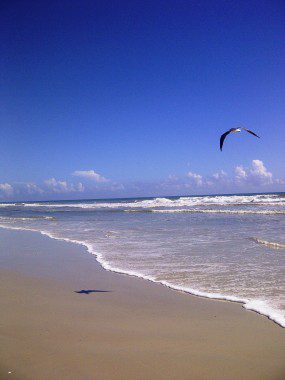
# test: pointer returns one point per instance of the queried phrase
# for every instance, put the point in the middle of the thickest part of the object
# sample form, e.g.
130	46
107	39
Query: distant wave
11	218
10	204
219	200
212	211
269	244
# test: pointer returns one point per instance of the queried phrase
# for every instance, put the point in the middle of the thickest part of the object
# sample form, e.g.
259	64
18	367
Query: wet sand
123	328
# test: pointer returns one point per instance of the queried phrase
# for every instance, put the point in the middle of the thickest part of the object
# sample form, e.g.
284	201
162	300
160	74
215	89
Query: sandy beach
64	317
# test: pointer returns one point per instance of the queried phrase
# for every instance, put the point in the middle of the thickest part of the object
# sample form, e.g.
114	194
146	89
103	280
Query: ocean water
228	247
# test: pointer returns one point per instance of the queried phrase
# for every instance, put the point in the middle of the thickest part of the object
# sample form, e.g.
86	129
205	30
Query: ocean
229	247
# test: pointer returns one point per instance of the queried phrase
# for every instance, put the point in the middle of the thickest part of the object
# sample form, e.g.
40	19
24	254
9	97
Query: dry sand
127	328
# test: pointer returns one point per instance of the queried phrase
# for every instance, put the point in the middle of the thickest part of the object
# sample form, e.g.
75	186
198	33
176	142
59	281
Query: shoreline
273	317
124	328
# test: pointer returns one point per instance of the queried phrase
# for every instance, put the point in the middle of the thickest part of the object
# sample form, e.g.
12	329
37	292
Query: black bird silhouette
234	130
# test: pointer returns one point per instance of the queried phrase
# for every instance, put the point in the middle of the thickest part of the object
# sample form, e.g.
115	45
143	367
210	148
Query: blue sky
133	96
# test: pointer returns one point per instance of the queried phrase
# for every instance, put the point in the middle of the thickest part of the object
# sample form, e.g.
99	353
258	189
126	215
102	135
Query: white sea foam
213	211
219	200
9	204
270	244
15	218
256	305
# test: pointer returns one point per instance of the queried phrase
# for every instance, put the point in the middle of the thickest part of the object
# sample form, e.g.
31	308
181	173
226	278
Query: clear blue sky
138	91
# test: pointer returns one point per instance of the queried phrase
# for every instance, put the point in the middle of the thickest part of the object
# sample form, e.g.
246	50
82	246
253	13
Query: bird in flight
234	130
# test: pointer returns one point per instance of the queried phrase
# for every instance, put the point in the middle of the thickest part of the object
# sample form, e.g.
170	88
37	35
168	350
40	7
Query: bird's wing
249	131
222	138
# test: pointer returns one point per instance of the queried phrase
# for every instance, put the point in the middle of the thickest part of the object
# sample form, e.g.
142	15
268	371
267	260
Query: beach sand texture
124	327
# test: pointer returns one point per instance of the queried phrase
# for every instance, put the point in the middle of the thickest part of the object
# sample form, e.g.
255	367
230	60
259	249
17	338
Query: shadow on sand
89	291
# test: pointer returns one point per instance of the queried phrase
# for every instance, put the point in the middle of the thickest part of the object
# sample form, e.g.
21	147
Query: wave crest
211	200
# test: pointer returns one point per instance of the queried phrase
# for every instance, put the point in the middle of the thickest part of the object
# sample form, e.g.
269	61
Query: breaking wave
213	211
218	200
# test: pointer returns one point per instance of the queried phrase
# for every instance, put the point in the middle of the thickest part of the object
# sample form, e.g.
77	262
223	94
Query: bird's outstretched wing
222	138
249	131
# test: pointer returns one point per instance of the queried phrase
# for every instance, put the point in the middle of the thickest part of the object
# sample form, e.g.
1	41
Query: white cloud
257	174
196	178
32	188
241	174
57	186
62	186
6	189
252	177
90	174
220	175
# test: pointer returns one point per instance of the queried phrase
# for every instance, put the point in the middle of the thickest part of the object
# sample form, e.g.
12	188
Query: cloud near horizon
6	189
257	174
196	178
90	174
255	178
63	186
